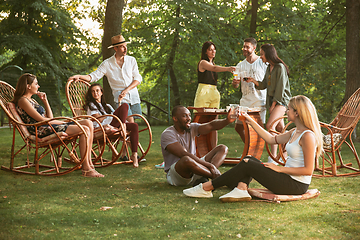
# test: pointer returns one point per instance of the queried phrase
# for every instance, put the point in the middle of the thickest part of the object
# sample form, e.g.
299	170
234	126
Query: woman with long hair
96	106
276	81
304	146
207	94
32	112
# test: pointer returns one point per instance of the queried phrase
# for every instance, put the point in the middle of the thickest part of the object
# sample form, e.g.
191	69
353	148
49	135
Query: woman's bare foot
135	160
91	173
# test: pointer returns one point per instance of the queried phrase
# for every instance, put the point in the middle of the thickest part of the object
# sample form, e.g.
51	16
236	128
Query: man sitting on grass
182	165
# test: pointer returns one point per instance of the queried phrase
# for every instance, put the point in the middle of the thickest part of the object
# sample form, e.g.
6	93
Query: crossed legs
187	166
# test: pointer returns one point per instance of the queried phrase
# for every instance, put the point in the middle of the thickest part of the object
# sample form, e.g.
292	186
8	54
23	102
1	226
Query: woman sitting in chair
31	112
303	145
96	106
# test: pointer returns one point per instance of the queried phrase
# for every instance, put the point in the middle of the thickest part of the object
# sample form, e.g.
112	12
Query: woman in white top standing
304	145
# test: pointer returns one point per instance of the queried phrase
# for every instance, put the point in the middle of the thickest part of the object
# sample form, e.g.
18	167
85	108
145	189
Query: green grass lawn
144	206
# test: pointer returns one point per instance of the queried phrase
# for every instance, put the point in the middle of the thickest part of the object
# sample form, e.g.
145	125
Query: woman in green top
276	81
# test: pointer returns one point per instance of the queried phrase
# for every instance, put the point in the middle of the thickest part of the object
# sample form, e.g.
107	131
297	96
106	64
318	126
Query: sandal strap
84	172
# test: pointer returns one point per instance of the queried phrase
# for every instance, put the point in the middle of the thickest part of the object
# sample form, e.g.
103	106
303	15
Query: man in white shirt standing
251	97
123	76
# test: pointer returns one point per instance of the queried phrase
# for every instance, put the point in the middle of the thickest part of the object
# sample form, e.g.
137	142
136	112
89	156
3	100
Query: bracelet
276	140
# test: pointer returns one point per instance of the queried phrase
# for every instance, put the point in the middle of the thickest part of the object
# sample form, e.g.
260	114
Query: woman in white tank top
304	146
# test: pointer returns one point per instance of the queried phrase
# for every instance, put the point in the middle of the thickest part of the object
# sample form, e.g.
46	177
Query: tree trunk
352	47
254	8
170	63
113	22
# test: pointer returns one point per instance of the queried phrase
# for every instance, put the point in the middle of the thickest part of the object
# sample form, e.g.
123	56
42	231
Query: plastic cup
234	108
244	75
243	109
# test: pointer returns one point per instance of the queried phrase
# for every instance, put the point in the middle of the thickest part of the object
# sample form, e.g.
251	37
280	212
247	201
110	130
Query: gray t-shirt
187	140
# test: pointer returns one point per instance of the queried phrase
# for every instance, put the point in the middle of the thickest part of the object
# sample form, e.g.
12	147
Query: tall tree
352	47
253	22
168	35
171	60
113	22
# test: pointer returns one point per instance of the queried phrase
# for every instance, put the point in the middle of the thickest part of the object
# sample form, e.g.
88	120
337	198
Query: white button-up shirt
120	77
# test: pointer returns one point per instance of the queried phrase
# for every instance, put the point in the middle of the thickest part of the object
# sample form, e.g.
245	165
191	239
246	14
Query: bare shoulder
204	62
308	137
23	101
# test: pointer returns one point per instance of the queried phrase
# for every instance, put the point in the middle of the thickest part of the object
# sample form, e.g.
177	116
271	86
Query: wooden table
254	144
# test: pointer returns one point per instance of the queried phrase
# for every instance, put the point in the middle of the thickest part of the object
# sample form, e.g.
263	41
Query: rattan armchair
48	152
337	134
117	142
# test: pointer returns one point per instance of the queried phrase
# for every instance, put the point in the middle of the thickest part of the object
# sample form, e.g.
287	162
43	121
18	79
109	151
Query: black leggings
278	183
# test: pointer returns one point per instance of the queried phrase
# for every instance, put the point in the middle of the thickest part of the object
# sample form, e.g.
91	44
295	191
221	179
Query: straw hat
117	40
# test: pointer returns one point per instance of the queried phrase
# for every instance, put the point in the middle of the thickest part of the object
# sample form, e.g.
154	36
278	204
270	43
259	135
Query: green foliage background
40	36
309	36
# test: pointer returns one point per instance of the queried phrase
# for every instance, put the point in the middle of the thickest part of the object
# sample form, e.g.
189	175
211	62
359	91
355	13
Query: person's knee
125	107
86	129
88	123
223	148
250	160
268	125
279	127
186	161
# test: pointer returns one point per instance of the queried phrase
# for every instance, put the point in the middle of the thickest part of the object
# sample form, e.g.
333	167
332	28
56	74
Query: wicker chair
75	94
54	148
338	132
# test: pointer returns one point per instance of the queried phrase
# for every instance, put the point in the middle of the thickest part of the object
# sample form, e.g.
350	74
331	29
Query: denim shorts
134	108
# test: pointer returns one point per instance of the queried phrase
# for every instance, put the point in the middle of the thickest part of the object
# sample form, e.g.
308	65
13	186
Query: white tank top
296	158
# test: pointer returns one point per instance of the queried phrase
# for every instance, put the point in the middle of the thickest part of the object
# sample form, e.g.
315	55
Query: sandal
85	173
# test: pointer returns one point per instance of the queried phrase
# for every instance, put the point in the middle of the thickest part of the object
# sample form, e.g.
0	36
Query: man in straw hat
122	73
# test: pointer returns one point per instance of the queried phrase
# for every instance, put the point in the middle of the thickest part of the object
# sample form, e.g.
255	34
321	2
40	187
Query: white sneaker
197	191
236	195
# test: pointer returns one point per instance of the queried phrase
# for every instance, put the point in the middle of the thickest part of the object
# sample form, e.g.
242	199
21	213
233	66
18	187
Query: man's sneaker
197	191
236	195
162	165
